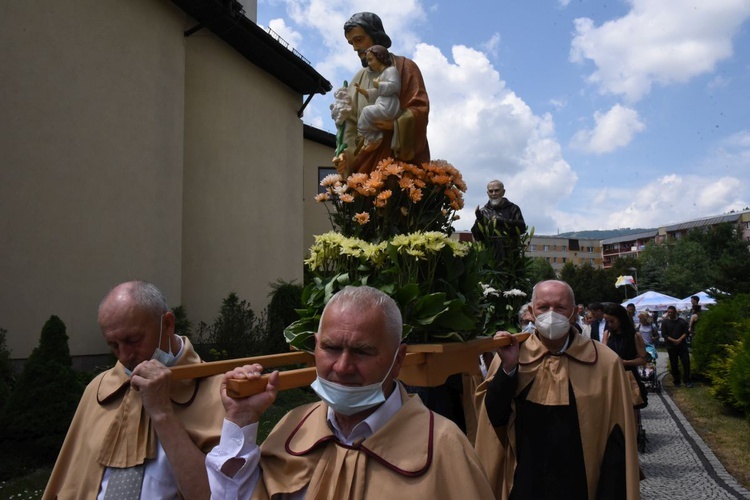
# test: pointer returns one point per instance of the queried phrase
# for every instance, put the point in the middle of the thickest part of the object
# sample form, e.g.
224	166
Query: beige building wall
91	151
243	217
132	152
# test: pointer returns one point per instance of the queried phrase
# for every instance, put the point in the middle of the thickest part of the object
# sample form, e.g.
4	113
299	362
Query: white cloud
558	104
487	131
613	129
670	199
658	41
490	46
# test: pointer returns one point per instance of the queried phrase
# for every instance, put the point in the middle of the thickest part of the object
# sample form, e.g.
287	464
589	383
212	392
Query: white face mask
552	325
348	400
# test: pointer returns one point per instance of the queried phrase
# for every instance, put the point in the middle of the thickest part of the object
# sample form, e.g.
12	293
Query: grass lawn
726	433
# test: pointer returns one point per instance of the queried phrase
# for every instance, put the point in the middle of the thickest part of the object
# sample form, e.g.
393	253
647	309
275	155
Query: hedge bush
286	298
235	333
36	417
739	372
7	377
719	326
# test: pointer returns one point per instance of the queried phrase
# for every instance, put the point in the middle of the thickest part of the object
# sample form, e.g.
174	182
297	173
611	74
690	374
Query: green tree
35	419
6	370
286	298
540	270
703	258
182	325
234	333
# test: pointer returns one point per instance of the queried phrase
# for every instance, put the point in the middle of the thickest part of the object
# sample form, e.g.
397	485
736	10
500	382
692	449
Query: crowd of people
555	413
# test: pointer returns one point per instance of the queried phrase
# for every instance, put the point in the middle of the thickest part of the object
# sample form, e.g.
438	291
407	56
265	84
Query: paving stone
677	462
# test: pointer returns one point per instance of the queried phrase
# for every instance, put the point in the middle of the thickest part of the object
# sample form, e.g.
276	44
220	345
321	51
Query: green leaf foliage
236	333
718	326
7	377
36	417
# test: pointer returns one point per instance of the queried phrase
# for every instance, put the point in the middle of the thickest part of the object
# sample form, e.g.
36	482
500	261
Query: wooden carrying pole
426	365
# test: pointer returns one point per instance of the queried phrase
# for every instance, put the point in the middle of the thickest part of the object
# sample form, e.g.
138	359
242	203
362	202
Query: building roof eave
227	21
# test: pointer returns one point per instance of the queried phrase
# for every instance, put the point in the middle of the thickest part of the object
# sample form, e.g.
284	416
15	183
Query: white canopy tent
653	301
705	300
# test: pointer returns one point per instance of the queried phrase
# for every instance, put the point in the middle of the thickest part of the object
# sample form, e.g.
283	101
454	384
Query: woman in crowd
647	329
622	338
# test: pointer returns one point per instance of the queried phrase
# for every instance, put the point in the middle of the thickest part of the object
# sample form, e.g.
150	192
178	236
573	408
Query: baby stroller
648	371
650	380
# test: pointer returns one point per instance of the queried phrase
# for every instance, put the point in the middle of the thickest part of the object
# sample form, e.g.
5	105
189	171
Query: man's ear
169	323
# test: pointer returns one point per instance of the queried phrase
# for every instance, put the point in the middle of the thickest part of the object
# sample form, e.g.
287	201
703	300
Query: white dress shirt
241	443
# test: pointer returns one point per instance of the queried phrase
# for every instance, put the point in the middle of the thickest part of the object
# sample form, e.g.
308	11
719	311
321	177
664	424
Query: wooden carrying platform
426	365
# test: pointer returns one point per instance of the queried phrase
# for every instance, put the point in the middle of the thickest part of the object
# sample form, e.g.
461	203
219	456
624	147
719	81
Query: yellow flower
322	197
362	218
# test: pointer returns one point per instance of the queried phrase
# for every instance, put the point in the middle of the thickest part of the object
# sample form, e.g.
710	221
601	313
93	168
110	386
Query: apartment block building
558	251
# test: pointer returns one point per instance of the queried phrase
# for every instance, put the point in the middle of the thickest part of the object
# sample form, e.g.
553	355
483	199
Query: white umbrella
705	300
653	301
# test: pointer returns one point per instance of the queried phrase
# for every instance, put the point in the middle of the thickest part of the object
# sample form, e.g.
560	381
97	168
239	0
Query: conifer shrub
7	377
233	334
36	417
182	325
286	298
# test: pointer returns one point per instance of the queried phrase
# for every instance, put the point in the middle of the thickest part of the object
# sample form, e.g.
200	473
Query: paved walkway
677	463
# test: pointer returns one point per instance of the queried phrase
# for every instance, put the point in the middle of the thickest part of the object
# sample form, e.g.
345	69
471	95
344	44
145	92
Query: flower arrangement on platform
395	198
392	231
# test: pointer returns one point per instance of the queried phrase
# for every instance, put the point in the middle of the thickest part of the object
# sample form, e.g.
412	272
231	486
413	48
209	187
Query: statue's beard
363	59
495	201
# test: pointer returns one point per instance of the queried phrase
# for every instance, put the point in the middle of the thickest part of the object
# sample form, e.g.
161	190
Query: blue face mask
165	358
348	400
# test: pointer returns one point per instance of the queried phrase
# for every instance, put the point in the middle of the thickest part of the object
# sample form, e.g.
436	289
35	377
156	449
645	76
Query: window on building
322	173
533	248
546	248
554	259
563	248
564	260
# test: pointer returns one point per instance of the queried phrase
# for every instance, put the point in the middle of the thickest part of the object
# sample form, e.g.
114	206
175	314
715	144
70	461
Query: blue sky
595	115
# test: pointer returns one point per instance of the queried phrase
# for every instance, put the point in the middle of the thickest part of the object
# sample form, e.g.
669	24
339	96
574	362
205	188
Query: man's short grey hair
366	297
146	296
570	291
523	310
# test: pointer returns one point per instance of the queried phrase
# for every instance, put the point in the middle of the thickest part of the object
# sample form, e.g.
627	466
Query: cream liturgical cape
111	429
603	401
417	454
